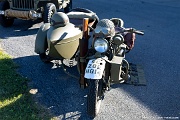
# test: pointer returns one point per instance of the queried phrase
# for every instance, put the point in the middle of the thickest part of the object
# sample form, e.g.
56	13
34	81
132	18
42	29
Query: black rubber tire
68	7
44	58
5	21
94	97
49	10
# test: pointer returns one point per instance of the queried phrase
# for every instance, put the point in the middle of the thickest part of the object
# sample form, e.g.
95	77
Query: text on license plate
95	68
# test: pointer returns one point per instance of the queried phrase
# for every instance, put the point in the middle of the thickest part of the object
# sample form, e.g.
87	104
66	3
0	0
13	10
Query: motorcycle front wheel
94	98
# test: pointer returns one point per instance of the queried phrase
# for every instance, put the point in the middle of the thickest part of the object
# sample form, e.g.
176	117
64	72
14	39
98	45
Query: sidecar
59	39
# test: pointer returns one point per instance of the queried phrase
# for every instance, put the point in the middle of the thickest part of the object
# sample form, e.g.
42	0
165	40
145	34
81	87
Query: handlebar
133	30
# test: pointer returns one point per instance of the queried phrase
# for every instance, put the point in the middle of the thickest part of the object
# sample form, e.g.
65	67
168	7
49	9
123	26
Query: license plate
95	68
37	15
1	12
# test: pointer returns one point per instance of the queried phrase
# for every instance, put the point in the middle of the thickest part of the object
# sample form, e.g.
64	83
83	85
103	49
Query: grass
16	103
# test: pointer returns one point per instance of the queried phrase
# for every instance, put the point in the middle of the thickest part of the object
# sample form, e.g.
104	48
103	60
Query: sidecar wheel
94	97
49	10
44	58
5	21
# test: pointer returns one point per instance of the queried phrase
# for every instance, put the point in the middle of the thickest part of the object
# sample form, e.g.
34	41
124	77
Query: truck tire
68	7
49	10
5	21
94	97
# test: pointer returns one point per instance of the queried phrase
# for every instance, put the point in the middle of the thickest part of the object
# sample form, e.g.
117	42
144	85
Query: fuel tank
63	41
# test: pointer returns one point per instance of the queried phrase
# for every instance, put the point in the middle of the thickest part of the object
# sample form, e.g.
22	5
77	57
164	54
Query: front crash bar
22	14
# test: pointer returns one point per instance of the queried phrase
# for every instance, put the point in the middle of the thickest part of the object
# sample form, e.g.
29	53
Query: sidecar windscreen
77	18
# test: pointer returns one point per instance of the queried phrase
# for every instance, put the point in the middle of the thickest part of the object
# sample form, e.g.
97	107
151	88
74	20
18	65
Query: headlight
101	45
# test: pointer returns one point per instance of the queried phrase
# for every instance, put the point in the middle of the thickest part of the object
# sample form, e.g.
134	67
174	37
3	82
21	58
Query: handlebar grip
139	32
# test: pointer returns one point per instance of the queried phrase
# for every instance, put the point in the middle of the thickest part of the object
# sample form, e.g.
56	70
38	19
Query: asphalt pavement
157	51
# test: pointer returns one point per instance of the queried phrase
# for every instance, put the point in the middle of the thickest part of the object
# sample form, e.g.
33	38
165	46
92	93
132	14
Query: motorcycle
96	47
106	59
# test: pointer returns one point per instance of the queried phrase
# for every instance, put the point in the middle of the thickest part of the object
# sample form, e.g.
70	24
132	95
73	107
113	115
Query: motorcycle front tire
94	97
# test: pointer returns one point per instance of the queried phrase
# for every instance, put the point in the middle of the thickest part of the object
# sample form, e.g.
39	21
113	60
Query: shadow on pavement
57	91
20	28
62	95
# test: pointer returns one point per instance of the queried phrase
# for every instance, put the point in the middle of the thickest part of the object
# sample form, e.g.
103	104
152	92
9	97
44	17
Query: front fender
41	44
95	68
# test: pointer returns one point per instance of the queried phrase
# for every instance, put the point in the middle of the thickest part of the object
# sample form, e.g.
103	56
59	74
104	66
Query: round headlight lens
101	45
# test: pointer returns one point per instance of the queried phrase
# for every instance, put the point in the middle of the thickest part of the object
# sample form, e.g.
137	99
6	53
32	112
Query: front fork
107	75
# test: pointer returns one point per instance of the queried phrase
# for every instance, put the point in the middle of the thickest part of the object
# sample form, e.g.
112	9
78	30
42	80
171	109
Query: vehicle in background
31	10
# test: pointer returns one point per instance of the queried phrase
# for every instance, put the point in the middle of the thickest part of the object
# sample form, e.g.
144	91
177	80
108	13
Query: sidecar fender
41	44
